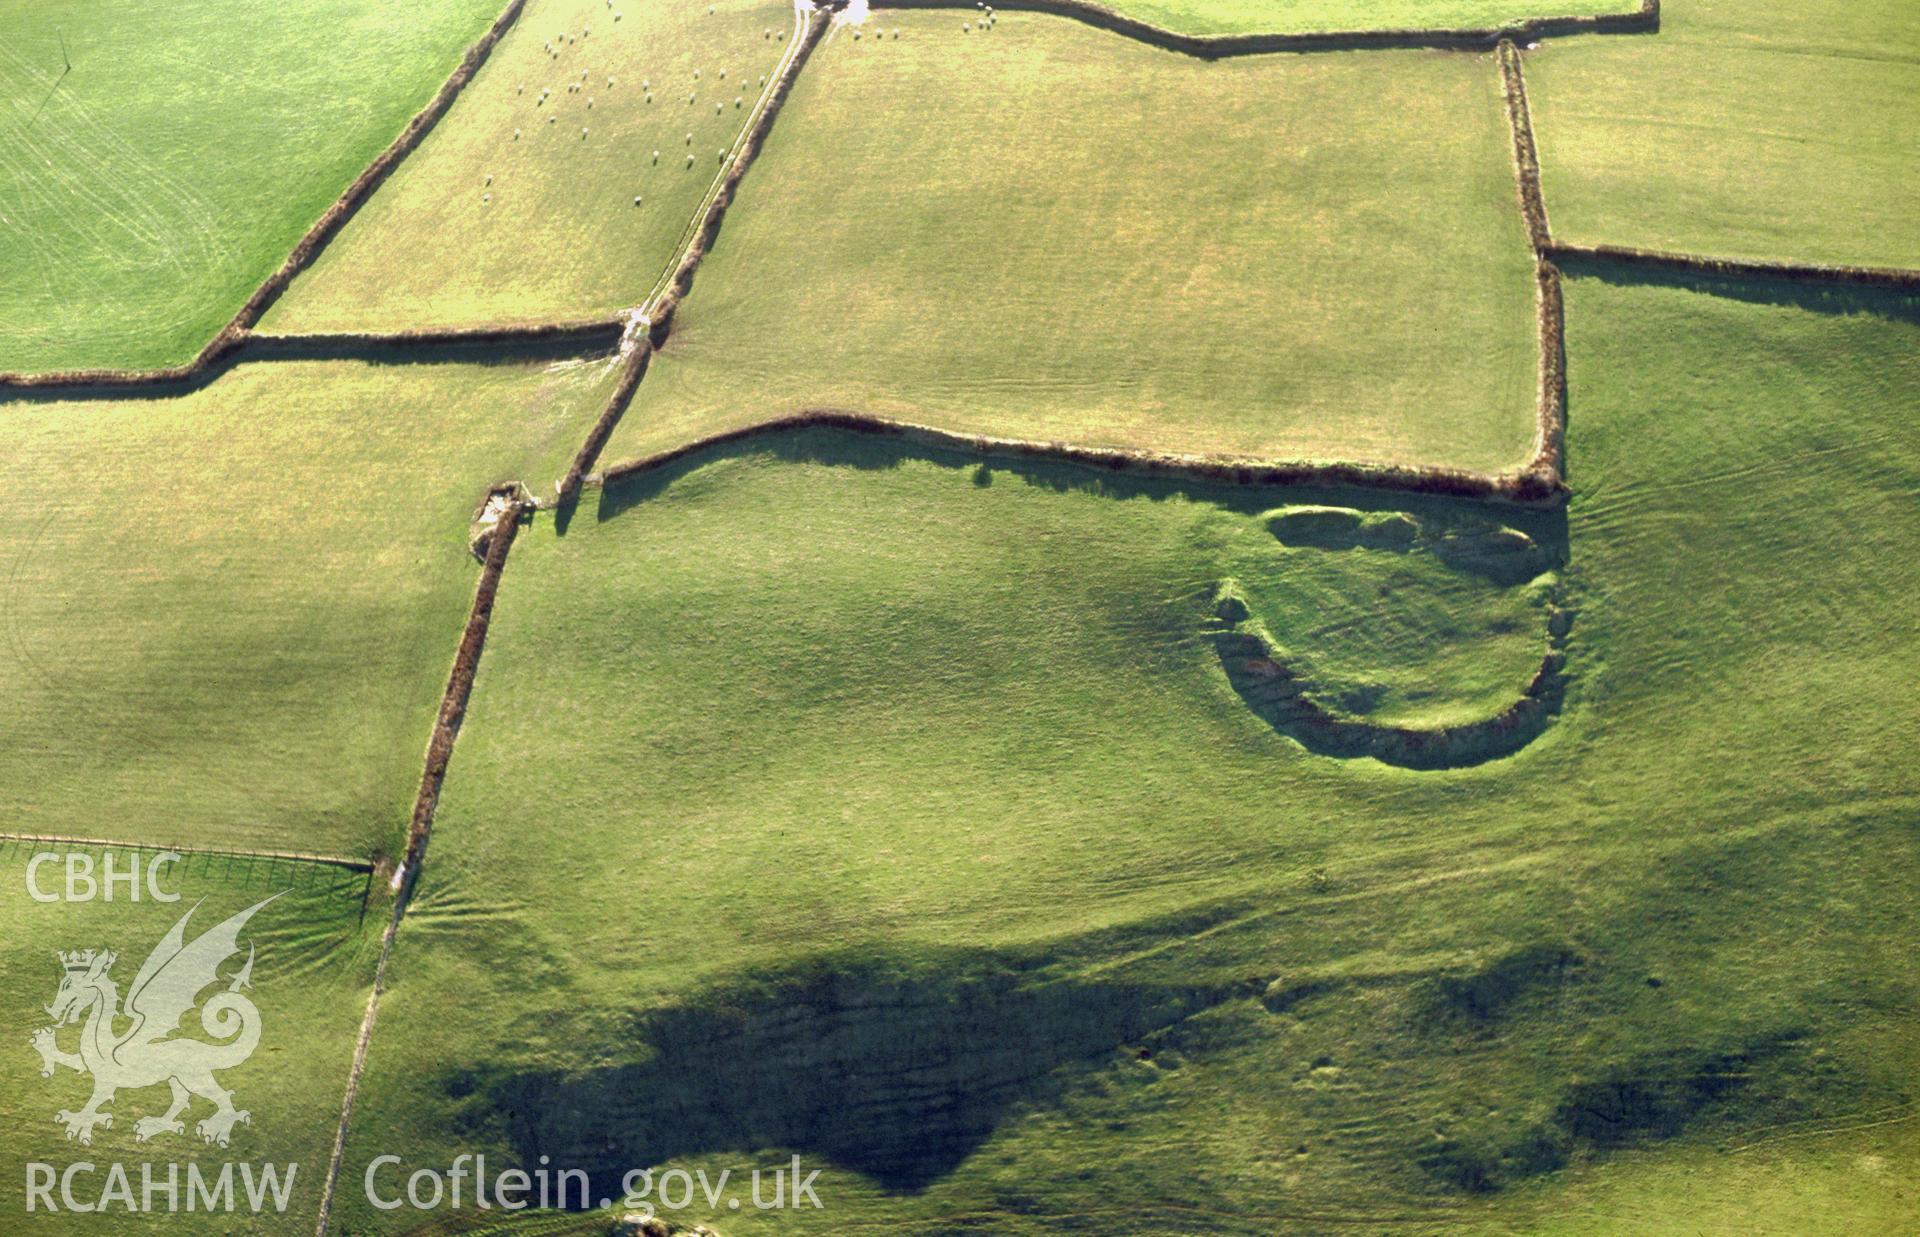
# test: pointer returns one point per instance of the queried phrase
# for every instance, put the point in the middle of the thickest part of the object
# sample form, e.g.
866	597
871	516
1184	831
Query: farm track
636	333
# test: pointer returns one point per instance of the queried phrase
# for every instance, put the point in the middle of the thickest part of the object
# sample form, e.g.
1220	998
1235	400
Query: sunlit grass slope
144	197
1290	16
1746	128
313	953
896	813
1048	231
525	205
227	616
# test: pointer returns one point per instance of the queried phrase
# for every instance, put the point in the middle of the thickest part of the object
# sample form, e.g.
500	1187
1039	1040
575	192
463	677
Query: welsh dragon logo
145	1054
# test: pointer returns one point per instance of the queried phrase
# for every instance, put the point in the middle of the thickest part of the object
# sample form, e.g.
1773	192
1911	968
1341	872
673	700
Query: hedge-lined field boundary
232	335
453	703
581	334
1885	277
639	352
523	342
446	726
1526	154
1642	20
291	856
1526	486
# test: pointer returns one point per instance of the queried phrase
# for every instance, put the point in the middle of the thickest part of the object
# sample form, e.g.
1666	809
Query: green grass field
1746	128
228	615
312	965
143	200
895	812
1074	236
556	232
1291	16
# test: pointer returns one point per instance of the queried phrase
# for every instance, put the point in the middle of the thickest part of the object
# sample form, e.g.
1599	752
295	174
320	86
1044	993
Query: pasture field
1296	16
895	811
144	198
1072	235
314	951
1760	129
228	615
521	207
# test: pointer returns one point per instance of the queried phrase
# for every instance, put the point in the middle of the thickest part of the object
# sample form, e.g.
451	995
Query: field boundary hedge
291	856
1528	486
1526	155
331	220
1642	20
639	352
1895	278
446	727
453	703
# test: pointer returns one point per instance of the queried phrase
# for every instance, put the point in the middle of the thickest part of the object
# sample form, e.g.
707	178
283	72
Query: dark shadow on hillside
898	1068
1817	298
839	448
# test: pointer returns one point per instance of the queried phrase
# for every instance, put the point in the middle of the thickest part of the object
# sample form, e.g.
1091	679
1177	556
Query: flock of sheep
559	43
555	45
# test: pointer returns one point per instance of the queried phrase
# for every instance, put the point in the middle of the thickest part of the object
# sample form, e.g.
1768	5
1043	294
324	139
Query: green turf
313	959
561	236
228	615
145	198
1769	129
1293	16
1074	236
894	812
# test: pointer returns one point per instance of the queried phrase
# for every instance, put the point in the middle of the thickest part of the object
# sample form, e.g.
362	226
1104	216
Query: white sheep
636	199
583	133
